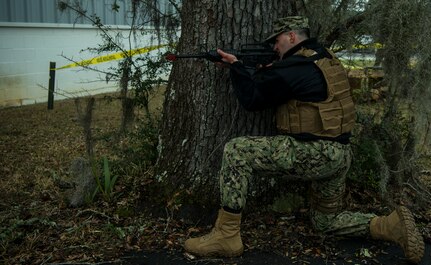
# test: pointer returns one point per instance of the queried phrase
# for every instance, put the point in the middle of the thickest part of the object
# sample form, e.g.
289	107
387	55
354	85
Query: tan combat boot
400	227
224	239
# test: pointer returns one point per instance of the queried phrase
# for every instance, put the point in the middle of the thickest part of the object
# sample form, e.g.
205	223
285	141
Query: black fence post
51	85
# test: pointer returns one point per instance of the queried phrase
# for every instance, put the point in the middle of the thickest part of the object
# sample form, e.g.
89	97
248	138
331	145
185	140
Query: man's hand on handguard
227	58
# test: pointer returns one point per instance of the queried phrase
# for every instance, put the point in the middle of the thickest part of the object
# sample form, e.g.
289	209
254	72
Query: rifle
252	55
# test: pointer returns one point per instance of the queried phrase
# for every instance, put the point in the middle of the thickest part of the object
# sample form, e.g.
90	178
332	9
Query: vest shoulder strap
302	58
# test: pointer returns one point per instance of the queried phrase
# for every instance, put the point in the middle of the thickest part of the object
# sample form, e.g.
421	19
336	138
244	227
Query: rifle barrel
245	54
173	57
214	56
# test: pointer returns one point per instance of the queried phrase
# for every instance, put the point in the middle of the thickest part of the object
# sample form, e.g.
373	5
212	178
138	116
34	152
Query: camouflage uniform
324	163
295	85
288	23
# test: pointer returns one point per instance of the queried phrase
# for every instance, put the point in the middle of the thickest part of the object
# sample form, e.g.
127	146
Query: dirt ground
37	227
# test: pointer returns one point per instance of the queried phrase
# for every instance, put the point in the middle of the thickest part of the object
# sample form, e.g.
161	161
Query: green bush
380	145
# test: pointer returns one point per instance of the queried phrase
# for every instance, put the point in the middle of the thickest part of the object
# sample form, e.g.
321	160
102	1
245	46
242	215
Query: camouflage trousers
324	163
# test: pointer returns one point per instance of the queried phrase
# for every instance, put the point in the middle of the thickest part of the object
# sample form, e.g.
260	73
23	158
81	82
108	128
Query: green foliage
111	229
146	79
405	27
105	181
379	146
108	183
365	168
148	139
139	149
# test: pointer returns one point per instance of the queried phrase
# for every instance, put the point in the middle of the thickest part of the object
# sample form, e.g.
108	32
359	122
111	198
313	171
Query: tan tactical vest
329	118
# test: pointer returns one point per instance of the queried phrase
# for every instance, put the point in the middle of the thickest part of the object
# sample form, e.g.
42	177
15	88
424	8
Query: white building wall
26	49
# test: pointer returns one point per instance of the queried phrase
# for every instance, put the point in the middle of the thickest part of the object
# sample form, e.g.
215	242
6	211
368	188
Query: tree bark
201	112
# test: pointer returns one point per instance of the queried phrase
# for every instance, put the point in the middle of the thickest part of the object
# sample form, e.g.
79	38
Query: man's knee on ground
321	221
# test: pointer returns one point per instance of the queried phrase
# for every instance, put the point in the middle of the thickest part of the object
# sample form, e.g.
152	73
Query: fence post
51	85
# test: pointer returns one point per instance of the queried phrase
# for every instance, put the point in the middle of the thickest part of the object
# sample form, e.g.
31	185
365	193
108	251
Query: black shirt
294	77
271	86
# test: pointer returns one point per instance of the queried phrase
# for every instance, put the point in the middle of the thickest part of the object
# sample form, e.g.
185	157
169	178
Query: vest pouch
288	119
331	114
310	120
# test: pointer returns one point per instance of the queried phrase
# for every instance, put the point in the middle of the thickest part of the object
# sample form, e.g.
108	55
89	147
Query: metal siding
127	14
46	11
98	8
5	10
35	11
108	17
123	13
80	20
49	9
16	11
42	8
91	7
64	17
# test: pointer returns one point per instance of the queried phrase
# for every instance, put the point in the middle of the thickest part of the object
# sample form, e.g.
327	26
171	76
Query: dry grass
37	143
36	148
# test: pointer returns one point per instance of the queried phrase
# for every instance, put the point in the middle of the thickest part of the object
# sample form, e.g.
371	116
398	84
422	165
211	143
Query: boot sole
415	247
217	253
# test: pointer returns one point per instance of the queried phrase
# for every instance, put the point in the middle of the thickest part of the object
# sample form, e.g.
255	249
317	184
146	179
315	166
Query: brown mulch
36	226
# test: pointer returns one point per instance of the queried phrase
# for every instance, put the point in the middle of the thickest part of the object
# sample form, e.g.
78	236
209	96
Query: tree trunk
201	112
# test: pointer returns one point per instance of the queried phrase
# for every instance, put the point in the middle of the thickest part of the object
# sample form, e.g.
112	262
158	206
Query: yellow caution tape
368	46
111	57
